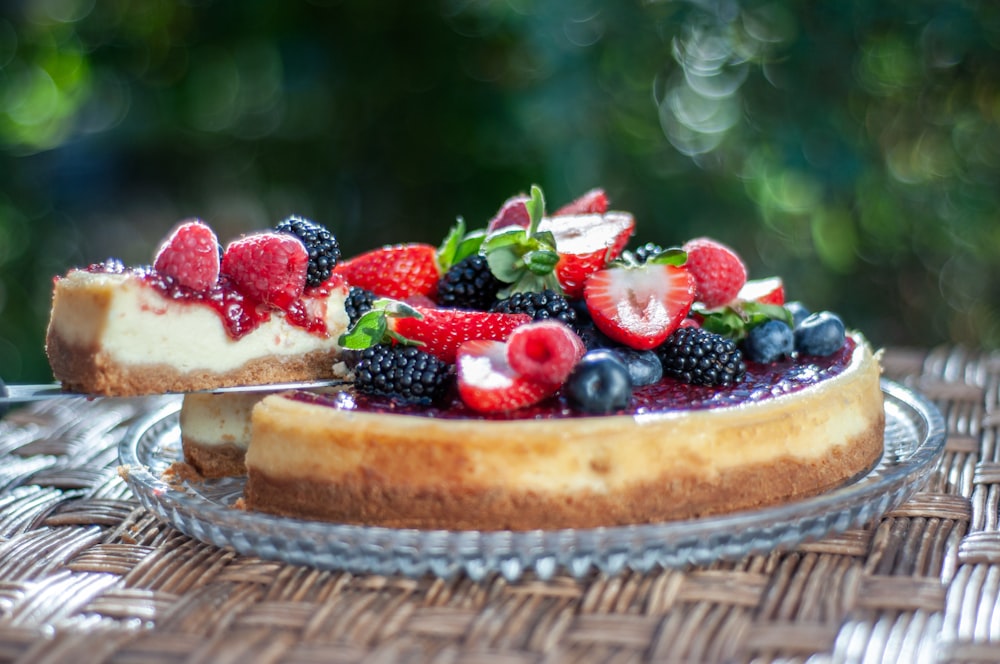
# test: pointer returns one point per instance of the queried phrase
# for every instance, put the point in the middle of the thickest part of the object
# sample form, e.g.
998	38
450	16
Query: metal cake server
24	393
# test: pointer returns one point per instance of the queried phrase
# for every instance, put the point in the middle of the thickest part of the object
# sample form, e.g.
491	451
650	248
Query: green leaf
458	244
367	332
505	264
672	256
541	261
373	326
506	237
536	208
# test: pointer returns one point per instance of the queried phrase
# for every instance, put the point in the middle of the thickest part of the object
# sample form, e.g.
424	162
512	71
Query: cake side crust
89	370
365	499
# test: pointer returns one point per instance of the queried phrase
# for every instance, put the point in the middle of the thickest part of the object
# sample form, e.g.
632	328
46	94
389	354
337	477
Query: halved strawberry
586	243
190	256
639	306
487	383
594	201
766	291
268	267
397	271
442	331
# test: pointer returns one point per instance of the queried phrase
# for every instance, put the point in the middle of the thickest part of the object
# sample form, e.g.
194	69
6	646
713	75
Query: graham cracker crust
213	461
92	371
362	499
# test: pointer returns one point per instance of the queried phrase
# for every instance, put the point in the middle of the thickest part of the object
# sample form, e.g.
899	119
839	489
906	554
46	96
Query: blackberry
543	305
357	302
468	284
700	357
324	251
404	373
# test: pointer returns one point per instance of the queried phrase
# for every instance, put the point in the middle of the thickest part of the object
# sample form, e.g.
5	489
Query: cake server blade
25	393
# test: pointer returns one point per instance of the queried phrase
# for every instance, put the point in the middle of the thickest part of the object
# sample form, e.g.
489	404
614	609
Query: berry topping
586	243
764	291
644	366
441	331
322	246
358	302
544	351
820	334
544	305
599	383
488	384
700	357
639	306
396	271
404	373
718	272
768	342
594	201
190	256
268	267
469	284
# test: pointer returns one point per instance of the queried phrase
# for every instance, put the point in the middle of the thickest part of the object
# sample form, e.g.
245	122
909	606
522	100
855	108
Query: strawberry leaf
734	321
672	256
458	244
373	326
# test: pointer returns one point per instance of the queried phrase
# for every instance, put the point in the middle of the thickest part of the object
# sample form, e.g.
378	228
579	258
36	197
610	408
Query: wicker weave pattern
86	575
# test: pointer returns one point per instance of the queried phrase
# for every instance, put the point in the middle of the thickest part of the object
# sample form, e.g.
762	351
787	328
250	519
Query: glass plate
914	441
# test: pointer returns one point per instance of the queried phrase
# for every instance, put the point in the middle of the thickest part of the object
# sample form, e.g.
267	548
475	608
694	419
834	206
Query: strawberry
594	201
442	331
397	271
190	256
639	306
718	271
586	243
545	351
513	212
268	267
488	384
766	291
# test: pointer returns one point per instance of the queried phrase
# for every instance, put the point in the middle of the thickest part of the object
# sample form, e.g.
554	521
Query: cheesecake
124	331
790	429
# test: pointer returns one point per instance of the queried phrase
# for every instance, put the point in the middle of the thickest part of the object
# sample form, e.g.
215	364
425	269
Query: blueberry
798	311
820	334
769	341
599	383
644	366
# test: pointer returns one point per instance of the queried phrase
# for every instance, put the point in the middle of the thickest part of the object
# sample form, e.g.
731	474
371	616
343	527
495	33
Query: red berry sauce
762	382
239	314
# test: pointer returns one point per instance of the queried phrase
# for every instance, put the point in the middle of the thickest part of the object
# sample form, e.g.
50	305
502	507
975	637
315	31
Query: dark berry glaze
239	314
762	382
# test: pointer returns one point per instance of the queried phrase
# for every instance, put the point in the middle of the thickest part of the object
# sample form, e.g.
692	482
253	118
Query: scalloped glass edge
915	438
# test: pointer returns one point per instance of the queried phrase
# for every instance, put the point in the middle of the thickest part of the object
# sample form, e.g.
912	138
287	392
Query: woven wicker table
87	575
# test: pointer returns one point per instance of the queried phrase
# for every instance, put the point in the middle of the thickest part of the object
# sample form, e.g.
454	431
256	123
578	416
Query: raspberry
190	256
544	351
324	251
718	272
268	267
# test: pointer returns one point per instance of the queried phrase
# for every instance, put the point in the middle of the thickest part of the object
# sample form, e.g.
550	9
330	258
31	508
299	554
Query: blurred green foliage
852	147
